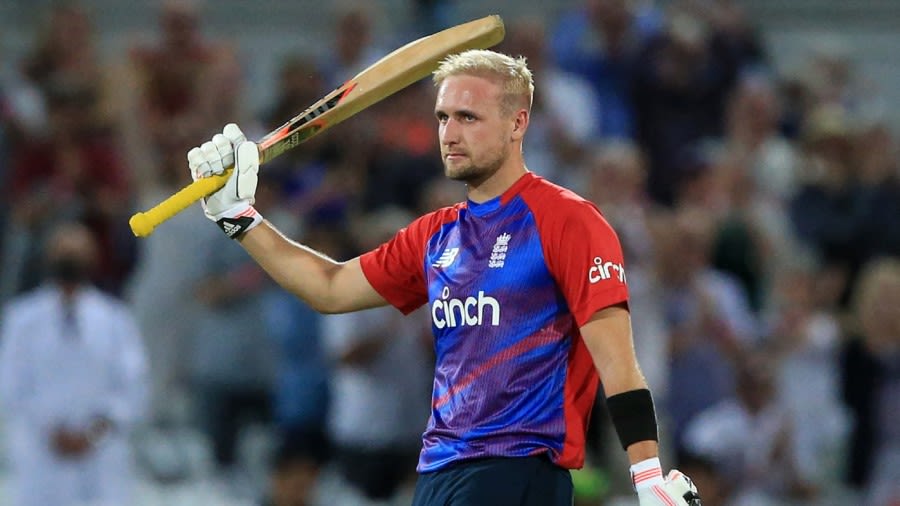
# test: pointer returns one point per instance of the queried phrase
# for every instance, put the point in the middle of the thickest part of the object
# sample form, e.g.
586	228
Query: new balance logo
498	254
447	258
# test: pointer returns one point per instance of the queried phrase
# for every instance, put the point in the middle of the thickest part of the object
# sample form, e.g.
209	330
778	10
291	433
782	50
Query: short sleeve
396	269
585	257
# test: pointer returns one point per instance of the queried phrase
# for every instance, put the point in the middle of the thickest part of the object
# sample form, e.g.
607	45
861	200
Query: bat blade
390	74
395	71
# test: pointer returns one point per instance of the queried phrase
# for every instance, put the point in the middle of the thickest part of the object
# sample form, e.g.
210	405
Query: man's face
475	135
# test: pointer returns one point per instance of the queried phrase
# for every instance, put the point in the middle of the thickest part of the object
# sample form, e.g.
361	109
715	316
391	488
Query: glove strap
646	473
238	225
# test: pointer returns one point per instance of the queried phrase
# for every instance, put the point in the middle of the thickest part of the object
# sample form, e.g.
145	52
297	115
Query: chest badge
498	254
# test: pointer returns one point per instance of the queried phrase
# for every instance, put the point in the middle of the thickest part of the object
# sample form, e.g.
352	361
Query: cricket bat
390	74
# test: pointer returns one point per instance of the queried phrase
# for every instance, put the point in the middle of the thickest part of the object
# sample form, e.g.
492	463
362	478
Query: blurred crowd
759	214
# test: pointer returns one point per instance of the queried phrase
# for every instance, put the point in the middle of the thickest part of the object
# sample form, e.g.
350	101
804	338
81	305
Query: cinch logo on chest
451	312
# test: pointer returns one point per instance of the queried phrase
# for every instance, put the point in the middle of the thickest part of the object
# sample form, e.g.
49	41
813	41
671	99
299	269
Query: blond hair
512	73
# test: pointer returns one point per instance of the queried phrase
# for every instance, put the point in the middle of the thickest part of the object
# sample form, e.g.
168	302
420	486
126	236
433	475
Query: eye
441	117
468	117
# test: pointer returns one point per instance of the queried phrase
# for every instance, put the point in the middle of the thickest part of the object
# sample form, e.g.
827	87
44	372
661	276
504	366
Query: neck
498	182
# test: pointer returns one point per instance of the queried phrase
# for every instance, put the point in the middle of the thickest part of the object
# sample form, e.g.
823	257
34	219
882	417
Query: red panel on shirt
584	256
579	394
582	250
396	268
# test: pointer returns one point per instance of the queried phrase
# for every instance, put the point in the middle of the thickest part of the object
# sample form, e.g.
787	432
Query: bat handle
143	224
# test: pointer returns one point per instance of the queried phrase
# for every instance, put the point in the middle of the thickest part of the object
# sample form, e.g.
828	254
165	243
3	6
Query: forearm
608	338
300	270
642	450
630	380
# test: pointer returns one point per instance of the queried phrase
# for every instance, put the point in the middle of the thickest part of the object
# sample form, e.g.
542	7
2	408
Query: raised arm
326	285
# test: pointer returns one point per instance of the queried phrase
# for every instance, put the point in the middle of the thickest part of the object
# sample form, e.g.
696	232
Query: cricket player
527	291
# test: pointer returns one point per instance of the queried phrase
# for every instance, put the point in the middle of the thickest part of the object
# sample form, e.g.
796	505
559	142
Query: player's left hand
676	490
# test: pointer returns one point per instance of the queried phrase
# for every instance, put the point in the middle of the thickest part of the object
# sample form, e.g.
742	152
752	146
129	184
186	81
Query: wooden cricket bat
392	73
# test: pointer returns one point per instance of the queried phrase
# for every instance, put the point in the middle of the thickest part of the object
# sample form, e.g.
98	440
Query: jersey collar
489	206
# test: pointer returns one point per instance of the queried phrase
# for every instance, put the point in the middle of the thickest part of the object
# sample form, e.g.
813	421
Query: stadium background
791	212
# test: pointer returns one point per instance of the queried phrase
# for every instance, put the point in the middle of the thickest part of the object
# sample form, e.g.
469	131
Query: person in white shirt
72	382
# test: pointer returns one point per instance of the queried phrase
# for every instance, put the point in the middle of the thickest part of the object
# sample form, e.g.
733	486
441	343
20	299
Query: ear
520	124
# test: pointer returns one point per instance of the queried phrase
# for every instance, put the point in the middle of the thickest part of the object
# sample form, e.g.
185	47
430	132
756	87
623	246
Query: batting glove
232	206
675	490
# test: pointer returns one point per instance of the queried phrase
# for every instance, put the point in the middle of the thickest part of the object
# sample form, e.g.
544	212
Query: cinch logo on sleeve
450	313
605	270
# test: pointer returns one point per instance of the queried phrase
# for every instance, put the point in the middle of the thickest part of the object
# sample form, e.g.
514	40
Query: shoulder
555	203
27	306
431	222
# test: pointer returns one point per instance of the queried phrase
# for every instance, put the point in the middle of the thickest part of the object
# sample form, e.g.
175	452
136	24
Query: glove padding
232	206
676	490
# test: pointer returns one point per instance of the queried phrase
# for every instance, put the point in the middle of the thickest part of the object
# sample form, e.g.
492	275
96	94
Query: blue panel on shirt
503	337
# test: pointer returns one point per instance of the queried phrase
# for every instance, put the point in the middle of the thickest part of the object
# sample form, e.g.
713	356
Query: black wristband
633	416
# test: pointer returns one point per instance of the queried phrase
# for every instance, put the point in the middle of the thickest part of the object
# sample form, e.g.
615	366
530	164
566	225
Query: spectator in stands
733	30
353	46
599	40
381	383
707	315
751	438
231	369
318	183
752	136
870	367
806	339
74	172
64	48
564	119
73	383
683	77
176	87
829	210
876	159
299	84
834	80
403	156
301	396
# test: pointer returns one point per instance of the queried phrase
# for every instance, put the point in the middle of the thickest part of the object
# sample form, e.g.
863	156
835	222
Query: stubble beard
474	173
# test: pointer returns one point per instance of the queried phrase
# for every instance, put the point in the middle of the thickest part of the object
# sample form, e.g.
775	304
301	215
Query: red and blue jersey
508	283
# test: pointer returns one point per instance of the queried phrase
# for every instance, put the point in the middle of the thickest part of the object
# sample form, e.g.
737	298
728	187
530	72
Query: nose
449	132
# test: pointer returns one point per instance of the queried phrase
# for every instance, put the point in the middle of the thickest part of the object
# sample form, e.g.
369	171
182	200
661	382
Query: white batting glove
675	490
232	206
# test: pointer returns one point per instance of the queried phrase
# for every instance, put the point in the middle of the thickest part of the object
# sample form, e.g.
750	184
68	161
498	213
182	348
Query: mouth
454	156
